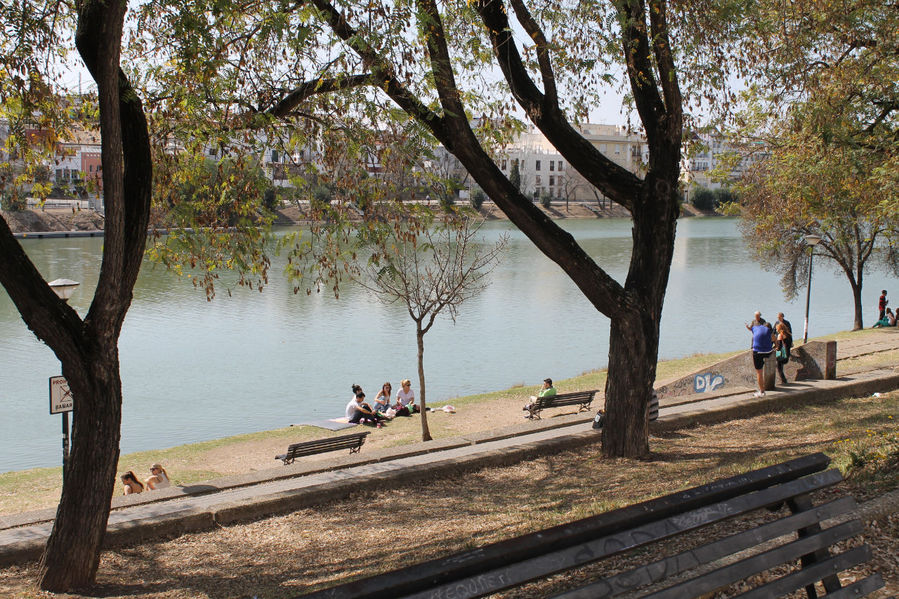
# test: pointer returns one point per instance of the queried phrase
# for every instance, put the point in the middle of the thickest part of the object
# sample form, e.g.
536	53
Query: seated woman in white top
405	399
159	478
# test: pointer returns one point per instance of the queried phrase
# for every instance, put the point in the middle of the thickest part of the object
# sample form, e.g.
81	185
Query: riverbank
53	219
196	463
313	544
63	219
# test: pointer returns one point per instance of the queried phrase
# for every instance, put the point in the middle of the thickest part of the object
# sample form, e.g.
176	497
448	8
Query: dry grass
286	555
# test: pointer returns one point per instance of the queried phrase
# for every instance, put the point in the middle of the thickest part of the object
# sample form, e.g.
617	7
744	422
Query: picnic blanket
332	424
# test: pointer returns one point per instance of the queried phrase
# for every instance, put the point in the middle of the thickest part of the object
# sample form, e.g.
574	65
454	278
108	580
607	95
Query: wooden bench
353	442
583	399
680	545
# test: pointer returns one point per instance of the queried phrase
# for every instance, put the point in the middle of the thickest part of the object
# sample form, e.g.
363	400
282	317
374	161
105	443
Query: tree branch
616	182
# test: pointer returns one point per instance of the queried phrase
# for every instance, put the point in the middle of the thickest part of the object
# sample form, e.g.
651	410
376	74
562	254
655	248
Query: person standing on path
789	338
762	346
882	304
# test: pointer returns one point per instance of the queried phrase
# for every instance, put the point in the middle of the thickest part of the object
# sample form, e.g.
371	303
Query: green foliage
13	200
546	200
515	175
870	457
322	194
711	199
477	199
217	219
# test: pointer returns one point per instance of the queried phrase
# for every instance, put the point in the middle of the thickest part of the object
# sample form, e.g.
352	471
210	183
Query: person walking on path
762	346
882	304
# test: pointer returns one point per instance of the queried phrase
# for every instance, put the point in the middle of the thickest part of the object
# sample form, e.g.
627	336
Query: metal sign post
61	402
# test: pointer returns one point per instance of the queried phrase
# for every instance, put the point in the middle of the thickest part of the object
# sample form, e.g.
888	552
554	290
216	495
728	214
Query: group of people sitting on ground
359	412
767	339
158	479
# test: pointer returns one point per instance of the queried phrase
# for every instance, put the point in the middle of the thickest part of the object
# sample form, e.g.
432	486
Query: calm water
194	370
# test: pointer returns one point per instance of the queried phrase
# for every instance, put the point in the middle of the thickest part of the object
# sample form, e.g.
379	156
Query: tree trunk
857	299
72	555
420	337
634	333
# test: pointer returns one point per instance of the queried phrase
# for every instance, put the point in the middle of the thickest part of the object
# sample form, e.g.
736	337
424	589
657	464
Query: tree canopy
827	110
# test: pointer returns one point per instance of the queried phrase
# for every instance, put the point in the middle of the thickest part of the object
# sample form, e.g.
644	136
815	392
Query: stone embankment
41	221
58	219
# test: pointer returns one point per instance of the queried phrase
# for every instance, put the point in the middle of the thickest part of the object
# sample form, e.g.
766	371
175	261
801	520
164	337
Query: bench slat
625	582
483	559
551	562
809	575
859	588
769	559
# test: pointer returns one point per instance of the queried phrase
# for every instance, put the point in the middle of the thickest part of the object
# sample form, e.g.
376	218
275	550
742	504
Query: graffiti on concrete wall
708	381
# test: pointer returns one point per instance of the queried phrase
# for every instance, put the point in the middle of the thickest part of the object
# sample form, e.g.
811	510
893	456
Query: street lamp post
811	241
60	395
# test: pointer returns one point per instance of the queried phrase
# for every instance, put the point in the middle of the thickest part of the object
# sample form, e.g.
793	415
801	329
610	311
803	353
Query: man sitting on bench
547	391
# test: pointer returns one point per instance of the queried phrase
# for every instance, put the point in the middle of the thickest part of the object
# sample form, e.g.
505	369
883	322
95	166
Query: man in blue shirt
762	346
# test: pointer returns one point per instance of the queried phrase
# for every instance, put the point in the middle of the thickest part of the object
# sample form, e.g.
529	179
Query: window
537	180
538	165
552	181
618	148
560	166
552	165
602	148
504	164
274	155
212	151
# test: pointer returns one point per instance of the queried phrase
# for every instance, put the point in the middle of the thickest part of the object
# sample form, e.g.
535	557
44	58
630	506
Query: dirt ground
286	555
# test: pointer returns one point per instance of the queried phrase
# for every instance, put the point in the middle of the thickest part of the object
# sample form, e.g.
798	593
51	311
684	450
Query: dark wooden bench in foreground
782	549
583	399
353	442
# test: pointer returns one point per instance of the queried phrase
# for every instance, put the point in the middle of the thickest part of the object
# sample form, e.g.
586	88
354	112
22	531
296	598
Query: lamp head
63	288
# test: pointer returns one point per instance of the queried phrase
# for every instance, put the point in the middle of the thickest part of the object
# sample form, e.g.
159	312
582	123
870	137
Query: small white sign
60	395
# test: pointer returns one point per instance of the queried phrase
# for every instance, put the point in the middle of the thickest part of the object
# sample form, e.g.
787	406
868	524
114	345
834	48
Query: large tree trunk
857	299
72	554
634	335
88	349
420	337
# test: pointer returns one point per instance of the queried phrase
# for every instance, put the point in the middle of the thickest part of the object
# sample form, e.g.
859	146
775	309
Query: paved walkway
242	498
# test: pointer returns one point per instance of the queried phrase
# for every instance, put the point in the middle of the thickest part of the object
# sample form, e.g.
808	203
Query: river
194	370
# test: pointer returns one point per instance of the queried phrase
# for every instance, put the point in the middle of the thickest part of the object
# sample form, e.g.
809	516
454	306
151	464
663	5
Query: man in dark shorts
762	346
882	304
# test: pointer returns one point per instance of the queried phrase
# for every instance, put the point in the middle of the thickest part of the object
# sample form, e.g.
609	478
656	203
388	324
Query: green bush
13	201
704	199
708	199
477	199
546	200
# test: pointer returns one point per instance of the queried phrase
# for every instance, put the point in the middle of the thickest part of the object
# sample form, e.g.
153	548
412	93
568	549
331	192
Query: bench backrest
563	399
324	445
513	562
